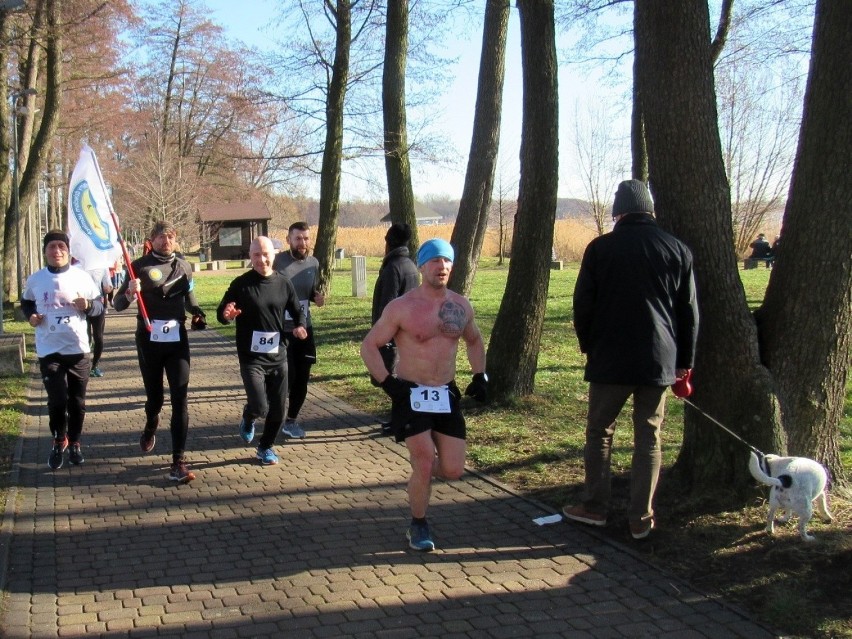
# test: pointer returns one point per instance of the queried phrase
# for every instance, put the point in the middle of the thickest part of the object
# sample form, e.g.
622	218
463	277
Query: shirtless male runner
426	324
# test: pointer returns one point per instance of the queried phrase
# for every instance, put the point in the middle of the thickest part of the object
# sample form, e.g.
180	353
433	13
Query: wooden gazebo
227	228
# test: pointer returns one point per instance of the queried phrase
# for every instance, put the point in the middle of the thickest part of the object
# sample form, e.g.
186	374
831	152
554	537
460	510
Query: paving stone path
313	547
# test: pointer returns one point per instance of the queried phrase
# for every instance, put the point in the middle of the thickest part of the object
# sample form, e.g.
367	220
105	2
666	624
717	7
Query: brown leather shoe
641	529
580	514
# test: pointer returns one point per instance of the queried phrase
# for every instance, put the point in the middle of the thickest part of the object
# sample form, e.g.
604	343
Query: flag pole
142	309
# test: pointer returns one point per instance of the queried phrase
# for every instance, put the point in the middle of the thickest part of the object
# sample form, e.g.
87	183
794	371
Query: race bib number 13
430	399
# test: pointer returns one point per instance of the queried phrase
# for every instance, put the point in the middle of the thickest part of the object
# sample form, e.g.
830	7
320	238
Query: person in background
116	275
302	269
761	250
636	319
96	323
427	324
165	283
258	300
776	248
56	301
397	276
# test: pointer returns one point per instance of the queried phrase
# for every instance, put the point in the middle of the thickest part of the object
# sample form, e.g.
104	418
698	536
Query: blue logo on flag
86	213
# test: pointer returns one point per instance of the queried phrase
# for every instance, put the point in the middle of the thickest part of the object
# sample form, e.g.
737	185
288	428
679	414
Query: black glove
395	388
198	322
478	388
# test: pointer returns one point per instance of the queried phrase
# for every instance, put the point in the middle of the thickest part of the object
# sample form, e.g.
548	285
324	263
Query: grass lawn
535	445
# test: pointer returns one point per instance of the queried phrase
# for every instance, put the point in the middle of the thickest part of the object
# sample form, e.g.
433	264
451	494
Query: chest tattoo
452	318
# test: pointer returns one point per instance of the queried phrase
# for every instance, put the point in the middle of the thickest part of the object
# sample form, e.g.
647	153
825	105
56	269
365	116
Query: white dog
797	482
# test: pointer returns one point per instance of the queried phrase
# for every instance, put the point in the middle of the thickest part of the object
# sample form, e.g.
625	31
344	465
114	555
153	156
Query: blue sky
456	112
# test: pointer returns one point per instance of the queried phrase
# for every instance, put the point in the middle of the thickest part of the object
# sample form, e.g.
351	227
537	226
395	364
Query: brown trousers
605	403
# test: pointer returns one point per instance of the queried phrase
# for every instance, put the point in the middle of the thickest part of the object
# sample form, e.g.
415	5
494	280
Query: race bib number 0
305	306
430	399
265	342
165	331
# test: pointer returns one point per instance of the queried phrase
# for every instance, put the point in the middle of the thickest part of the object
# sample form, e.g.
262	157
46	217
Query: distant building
228	228
424	216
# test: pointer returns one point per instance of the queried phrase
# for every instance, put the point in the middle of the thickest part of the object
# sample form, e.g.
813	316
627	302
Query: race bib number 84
262	342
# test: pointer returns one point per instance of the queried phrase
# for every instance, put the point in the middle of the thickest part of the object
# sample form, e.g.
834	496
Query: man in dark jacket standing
397	275
636	319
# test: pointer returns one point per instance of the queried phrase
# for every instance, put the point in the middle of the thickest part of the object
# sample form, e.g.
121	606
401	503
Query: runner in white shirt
56	302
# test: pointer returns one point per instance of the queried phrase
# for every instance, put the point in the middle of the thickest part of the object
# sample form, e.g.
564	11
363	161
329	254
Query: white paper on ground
549	519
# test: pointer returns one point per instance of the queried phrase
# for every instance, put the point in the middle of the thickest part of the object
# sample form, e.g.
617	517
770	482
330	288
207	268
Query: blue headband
436	247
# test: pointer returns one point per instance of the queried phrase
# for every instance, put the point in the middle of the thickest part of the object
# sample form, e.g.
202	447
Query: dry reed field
569	240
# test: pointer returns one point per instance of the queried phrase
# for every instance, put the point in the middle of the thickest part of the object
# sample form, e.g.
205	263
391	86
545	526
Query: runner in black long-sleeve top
165	282
257	300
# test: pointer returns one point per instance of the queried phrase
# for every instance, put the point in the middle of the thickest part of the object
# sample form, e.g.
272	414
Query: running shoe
76	455
56	455
96	372
419	537
180	473
267	456
293	429
149	437
246	430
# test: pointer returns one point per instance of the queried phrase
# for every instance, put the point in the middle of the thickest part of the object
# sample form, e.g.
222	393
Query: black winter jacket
635	310
397	276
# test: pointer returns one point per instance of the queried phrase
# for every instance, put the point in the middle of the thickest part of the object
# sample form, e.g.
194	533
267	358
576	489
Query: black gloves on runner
478	388
198	322
395	387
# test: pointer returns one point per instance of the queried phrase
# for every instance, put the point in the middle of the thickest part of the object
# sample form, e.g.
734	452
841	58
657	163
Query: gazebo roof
247	211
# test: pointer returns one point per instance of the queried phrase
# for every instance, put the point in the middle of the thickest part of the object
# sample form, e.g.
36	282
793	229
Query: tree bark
332	159
40	150
692	197
806	318
515	339
397	166
5	173
472	221
638	146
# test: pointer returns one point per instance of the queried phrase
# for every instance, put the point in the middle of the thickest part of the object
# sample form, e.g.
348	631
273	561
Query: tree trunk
515	339
41	149
693	201
332	159
638	147
806	318
472	220
6	251
397	167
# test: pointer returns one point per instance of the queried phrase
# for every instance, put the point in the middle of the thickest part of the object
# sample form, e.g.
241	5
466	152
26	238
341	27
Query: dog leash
759	454
682	388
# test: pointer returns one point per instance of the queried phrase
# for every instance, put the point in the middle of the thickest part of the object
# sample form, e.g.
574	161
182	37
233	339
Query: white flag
94	237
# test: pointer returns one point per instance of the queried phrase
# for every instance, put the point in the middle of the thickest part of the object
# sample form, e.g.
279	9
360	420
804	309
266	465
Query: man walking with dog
636	318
